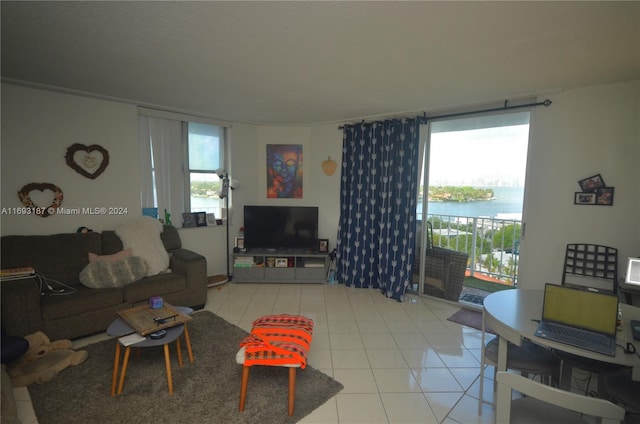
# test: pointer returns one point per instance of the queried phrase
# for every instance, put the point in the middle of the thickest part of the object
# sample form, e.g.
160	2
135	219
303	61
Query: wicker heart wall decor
88	161
44	211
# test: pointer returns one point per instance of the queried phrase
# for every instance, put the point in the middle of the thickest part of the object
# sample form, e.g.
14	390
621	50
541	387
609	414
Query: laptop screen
580	308
633	271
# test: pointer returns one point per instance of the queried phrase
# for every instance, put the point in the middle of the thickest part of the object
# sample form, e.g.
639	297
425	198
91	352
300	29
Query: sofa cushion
157	285
111	243
114	257
106	274
142	235
170	238
82	300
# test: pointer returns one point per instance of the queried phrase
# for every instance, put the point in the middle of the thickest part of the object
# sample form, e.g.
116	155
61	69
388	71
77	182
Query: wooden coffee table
121	327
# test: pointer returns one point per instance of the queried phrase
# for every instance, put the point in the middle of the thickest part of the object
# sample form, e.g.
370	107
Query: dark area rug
206	391
469	318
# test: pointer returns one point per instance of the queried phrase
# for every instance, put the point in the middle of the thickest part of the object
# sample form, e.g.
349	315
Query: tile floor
398	362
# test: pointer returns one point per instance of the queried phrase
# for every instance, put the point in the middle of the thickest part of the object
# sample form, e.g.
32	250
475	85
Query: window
178	160
205	151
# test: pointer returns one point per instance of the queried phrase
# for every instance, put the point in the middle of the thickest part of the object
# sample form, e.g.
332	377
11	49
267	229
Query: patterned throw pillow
105	274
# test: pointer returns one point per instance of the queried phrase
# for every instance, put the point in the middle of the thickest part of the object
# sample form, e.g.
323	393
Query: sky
481	155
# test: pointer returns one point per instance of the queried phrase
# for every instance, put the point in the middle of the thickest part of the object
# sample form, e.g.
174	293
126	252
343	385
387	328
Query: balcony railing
491	243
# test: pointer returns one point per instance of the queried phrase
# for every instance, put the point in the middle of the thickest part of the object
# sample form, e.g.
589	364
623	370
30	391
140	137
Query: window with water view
206	153
475	170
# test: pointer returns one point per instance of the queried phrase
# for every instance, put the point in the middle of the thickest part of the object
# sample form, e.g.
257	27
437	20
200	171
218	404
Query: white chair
546	404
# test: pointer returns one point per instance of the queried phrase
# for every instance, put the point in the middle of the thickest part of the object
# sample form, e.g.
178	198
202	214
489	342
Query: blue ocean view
507	204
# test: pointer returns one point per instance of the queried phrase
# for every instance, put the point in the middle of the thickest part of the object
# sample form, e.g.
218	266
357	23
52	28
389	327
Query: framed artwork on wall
284	171
188	220
590	184
594	192
201	219
604	196
582	198
323	245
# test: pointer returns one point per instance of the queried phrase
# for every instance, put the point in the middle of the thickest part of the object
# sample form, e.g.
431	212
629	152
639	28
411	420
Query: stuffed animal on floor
43	360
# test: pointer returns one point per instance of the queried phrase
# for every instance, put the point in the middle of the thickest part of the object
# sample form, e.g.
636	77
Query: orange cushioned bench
276	340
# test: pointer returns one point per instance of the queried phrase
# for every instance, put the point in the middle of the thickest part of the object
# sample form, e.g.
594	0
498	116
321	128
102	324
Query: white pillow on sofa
142	236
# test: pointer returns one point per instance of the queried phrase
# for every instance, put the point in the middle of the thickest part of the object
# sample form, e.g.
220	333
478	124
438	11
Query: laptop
633	272
580	318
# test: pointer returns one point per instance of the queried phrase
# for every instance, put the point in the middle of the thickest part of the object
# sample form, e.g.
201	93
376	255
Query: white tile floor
398	362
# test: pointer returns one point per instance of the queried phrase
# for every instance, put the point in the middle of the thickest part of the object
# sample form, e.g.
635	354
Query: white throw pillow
142	236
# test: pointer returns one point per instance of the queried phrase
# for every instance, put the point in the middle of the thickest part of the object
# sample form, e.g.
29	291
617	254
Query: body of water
507	204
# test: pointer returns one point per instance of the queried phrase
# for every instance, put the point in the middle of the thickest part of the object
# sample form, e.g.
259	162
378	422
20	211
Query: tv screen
281	227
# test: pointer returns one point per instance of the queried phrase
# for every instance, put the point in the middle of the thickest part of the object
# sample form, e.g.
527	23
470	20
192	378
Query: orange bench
276	340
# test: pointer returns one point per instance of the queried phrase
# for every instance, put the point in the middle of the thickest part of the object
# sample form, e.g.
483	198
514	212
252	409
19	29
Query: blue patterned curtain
379	187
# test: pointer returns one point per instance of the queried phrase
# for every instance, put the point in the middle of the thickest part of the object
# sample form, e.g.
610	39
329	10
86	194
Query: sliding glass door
471	194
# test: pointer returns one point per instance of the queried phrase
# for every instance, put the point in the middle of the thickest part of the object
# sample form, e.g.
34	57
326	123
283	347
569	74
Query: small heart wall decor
88	161
44	211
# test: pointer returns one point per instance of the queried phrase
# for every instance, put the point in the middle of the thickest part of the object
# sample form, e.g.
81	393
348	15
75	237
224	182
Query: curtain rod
545	103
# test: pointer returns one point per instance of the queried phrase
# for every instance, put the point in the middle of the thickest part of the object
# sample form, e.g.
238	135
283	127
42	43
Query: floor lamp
224	194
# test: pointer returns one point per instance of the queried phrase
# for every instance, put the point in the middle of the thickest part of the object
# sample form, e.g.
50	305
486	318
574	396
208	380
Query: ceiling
311	63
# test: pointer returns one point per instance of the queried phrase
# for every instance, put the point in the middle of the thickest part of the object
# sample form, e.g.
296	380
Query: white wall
326	142
589	131
37	128
248	145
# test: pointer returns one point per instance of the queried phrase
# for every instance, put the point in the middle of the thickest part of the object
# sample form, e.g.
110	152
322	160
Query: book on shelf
244	258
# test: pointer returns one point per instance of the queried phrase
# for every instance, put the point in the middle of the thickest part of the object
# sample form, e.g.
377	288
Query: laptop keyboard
578	334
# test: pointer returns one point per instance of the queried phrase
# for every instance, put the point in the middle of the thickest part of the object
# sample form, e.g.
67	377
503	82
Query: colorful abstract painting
284	171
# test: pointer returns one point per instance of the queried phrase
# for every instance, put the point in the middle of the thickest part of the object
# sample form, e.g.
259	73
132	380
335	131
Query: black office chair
592	266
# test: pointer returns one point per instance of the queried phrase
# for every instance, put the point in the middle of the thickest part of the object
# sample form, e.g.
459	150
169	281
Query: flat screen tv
281	227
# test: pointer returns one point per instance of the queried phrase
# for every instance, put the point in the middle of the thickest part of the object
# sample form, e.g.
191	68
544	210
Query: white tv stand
280	266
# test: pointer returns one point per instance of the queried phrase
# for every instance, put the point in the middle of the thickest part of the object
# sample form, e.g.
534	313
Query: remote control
158	334
635	329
